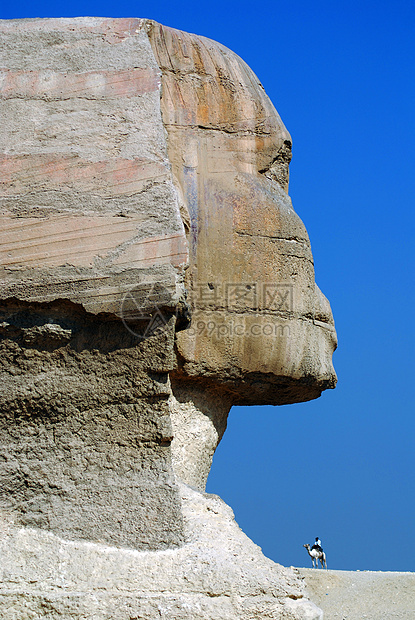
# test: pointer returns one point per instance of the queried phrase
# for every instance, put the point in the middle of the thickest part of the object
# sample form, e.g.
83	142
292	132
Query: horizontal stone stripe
99	298
106	294
79	240
20	174
170	249
61	240
17	230
111	28
80	256
176	260
93	84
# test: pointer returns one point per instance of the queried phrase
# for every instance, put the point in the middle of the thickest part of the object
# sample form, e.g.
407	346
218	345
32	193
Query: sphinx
153	274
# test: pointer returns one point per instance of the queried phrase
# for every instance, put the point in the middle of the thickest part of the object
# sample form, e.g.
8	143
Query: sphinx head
261	328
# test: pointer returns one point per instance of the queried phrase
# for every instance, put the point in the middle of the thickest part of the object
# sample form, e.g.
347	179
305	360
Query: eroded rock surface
153	273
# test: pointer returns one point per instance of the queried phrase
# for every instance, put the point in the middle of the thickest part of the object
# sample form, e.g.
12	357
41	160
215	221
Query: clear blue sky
341	75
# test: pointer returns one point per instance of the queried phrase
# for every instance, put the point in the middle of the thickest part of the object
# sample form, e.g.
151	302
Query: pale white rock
219	573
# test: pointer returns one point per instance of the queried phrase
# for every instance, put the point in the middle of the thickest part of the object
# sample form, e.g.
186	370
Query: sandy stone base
366	595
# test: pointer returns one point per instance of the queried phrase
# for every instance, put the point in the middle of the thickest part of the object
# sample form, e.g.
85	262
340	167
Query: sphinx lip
324	325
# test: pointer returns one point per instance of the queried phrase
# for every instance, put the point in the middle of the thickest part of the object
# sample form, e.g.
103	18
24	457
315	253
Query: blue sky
342	467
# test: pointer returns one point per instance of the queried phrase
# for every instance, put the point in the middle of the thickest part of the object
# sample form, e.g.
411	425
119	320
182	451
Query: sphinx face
261	328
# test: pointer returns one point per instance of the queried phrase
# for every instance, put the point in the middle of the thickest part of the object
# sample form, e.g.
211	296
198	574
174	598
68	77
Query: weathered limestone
88	203
85	428
144	184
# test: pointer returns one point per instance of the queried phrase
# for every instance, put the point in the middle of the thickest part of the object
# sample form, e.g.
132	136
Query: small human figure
317	545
